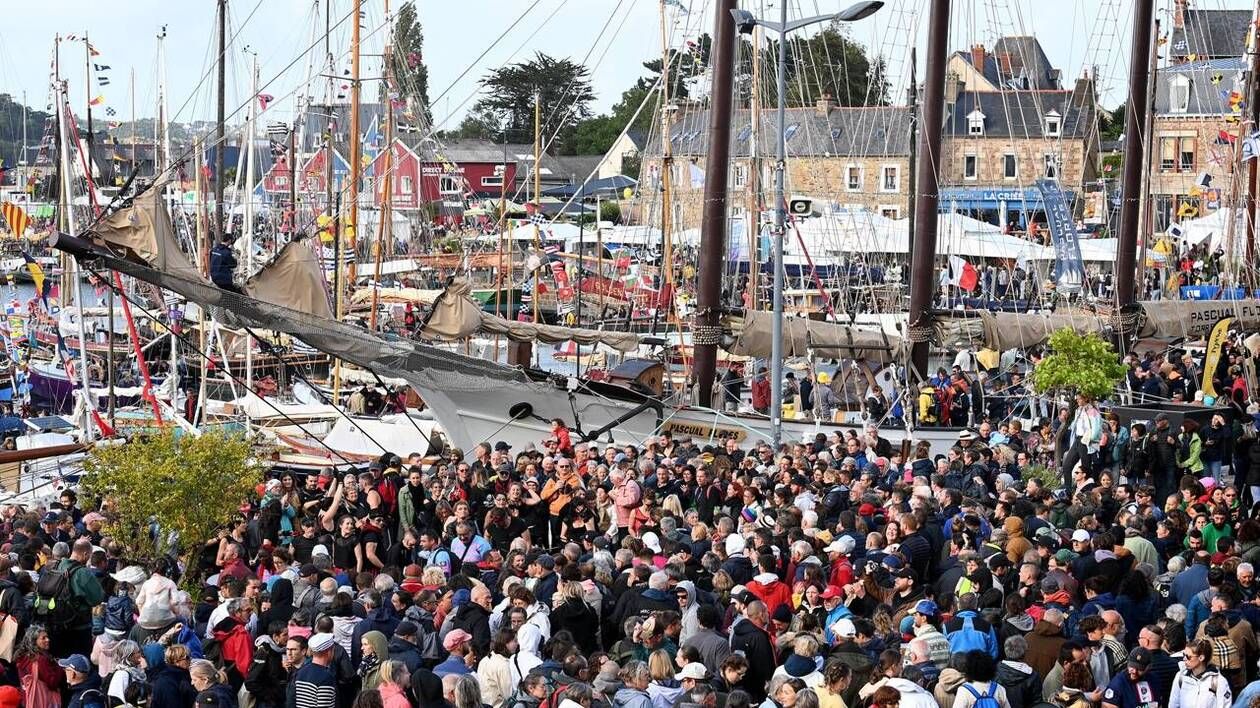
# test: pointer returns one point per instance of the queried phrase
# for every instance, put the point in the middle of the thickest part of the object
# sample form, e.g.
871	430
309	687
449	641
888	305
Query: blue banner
1211	292
1069	270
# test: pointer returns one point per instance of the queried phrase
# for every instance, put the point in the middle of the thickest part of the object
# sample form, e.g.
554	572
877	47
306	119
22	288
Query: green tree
188	486
564	91
11	129
1111	123
684	65
1078	363
411	75
610	211
827	63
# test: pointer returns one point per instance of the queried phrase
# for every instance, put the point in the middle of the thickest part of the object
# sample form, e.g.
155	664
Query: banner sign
1216	341
1069	269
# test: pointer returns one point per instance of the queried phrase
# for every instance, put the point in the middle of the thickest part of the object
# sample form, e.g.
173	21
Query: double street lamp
745	22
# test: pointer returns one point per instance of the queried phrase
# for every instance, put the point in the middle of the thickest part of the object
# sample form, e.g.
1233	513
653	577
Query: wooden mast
707	332
753	207
385	176
1135	120
220	132
537	186
667	168
352	221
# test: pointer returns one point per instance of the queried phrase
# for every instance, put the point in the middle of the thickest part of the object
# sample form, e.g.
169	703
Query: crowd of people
838	572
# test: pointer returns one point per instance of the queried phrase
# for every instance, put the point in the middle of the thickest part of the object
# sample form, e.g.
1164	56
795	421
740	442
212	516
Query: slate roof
1205	97
873	131
1211	34
316	121
1030	67
577	167
1020	114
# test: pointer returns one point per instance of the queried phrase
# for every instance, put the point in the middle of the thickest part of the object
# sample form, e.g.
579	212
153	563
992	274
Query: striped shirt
313	686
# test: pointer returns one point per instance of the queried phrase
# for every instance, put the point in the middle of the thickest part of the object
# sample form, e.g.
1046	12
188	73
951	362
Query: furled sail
456	315
1001	331
1192	319
293	280
825	339
143	229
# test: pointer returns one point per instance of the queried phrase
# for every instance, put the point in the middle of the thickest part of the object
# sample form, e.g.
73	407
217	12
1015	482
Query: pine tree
411	76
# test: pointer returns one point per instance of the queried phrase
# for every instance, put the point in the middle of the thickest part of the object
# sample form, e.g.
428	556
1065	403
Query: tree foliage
187	486
1084	364
411	75
11	129
828	63
565	94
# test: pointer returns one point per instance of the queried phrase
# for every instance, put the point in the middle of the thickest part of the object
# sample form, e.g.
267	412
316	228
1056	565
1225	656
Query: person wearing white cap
315	685
737	564
841	567
692	674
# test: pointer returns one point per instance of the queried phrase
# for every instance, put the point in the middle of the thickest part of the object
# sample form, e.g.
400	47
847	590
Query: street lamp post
745	22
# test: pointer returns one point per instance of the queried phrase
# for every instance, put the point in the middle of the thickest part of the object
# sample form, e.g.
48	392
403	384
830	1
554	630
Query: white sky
1073	33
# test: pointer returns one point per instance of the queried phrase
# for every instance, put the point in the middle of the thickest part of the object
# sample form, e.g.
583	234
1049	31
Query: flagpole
87	63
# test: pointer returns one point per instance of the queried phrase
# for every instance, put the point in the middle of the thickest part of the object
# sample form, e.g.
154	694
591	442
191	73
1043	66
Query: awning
1182	319
1012	330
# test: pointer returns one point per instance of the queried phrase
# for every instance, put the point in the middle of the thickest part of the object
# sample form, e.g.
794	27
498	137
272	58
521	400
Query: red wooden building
404	177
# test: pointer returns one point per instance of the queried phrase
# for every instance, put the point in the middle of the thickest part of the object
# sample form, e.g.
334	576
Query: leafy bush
1084	364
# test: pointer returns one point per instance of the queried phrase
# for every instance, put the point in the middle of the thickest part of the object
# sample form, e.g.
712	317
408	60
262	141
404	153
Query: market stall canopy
608	186
802	337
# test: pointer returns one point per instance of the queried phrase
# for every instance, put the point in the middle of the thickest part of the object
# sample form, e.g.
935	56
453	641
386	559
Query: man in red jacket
234	641
761	392
767	586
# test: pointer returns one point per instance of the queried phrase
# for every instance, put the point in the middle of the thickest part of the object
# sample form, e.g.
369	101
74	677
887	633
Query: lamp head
859	10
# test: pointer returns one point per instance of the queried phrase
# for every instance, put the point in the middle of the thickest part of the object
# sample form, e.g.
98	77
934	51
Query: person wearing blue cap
83	684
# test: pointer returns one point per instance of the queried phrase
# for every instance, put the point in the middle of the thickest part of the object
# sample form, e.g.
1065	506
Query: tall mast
385	176
667	167
22	158
1135	120
912	100
63	109
131	82
753	207
1253	111
707	332
163	112
779	234
249	200
923	254
220	132
87	80
537	183
355	168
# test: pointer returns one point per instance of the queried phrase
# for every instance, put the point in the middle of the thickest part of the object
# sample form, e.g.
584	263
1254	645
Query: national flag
963	274
265	99
1224	136
97	101
18	220
42	284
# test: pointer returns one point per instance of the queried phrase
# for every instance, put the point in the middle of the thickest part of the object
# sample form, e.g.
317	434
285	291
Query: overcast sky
1074	33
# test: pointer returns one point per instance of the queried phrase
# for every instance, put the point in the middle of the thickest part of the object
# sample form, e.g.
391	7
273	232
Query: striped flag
97	101
18	220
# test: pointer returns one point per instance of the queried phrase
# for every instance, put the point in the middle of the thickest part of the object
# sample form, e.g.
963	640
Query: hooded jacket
690	625
380	619
281	605
947	686
850	653
1016	544
912	694
409	654
236	645
1211	690
579	619
223	693
267	677
172	688
739	568
1043	646
1021	681
665	693
475	620
755	643
771	591
631	698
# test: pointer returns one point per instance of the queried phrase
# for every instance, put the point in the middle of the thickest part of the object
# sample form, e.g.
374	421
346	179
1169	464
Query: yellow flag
1216	342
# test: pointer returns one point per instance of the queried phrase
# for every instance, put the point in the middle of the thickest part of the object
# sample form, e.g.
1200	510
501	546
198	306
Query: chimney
1179	13
977	57
824	105
953	87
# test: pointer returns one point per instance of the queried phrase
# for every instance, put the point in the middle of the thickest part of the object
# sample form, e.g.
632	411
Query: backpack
56	607
985	700
968	639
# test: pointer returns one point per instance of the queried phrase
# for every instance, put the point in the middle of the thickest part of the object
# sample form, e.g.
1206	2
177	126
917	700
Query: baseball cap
867	509
926	608
843	545
406	628
844	627
744	597
695	671
1065	556
78	662
832	592
904	572
1080	535
502	446
1140	657
320	642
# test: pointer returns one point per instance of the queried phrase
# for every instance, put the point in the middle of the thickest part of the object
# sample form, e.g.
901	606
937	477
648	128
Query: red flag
963	274
1226	136
264	99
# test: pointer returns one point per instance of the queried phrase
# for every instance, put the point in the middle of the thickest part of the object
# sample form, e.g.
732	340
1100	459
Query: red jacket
841	572
772	592
237	647
761	393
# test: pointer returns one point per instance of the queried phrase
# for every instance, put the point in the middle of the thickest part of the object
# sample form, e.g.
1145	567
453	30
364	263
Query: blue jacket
1189	583
1197	611
1098	605
222	265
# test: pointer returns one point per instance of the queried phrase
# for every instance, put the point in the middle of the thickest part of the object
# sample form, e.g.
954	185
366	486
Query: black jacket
580	620
267	680
222	265
475	620
406	652
755	644
172	688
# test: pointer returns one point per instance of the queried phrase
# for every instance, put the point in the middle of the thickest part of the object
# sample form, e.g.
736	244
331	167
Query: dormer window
1179	94
975	123
1053	124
